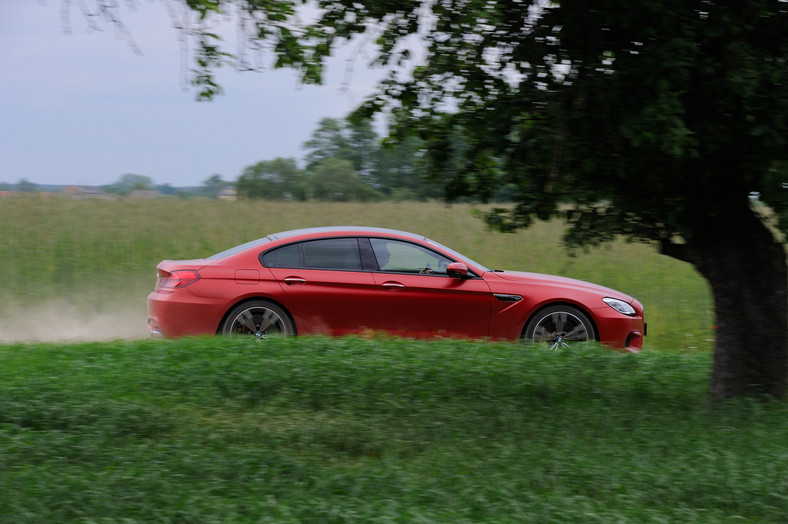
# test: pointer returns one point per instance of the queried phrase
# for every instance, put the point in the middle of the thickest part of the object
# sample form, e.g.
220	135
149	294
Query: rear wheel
559	327
258	318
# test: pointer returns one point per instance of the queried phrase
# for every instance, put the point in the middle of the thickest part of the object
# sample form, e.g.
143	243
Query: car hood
538	279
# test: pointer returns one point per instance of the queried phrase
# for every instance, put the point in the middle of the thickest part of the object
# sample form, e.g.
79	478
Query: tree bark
746	269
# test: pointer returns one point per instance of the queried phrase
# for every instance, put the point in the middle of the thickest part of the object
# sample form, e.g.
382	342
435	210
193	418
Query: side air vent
503	297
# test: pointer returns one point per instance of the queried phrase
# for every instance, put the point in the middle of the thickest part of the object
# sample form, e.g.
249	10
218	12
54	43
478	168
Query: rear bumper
182	314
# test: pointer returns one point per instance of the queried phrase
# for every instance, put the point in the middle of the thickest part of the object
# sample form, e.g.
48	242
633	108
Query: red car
350	280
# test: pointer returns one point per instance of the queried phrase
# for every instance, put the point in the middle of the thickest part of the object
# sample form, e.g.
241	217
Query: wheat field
81	269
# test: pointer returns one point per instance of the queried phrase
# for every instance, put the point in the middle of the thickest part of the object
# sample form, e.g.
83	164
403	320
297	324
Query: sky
82	108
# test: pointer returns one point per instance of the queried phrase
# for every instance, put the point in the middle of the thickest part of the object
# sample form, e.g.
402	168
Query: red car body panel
484	304
539	291
330	302
424	305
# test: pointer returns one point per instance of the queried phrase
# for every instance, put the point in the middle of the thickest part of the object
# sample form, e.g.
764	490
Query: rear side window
331	253
288	256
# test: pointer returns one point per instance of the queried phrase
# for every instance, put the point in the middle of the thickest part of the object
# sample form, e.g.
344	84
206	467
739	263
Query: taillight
177	279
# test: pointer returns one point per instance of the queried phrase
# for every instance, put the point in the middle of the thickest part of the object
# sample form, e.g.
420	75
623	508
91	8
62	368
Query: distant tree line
345	160
23	186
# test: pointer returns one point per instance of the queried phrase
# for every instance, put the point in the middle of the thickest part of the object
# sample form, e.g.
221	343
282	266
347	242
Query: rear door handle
392	285
294	281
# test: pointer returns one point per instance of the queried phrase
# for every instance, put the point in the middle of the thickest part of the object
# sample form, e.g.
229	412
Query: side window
331	253
404	257
287	256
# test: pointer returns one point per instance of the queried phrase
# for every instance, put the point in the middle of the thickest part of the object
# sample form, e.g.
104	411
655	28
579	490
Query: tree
652	120
364	147
278	179
353	140
401	172
130	182
166	189
335	180
26	186
213	185
395	169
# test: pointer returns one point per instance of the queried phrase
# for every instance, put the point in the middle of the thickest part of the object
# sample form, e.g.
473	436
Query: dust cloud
62	321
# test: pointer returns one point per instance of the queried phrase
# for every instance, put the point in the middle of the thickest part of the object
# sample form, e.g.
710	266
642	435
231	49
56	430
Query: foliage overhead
668	112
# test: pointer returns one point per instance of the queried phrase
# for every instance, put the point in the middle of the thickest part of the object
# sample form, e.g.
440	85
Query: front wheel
559	327
258	318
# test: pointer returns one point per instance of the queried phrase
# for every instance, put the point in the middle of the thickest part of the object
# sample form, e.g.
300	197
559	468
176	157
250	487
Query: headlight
620	306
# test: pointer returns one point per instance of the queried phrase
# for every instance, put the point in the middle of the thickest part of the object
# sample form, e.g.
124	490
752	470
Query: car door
328	290
418	298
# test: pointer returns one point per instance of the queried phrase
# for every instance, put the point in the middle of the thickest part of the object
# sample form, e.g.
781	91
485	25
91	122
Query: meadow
101	424
318	430
81	269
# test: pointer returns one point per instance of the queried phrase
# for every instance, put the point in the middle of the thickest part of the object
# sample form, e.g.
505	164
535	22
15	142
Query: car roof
341	231
323	230
355	230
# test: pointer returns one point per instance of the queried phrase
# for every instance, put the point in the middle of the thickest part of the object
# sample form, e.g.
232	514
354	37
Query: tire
258	318
559	327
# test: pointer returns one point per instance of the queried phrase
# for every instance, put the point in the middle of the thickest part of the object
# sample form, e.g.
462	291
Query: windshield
458	256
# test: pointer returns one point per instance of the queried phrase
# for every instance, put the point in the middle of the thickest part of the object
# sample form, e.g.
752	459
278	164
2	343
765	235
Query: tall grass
100	255
377	430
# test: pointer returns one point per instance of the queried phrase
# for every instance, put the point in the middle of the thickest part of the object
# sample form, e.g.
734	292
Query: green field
82	269
377	430
352	430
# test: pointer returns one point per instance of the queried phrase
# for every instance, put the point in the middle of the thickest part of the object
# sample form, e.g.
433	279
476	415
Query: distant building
80	192
227	193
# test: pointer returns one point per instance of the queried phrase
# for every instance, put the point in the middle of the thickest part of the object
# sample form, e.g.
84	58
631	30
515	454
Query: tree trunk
746	269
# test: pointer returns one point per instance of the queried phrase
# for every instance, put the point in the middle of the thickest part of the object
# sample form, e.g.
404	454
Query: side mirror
457	270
